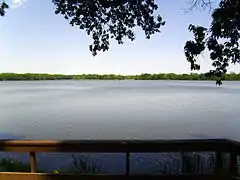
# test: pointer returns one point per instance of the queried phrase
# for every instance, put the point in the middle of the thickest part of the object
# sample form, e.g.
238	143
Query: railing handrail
119	145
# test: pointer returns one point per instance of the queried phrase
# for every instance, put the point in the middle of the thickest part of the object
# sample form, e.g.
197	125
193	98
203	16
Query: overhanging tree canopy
221	39
110	19
115	19
3	7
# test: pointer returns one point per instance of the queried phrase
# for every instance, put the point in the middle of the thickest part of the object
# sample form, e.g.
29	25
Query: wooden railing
32	147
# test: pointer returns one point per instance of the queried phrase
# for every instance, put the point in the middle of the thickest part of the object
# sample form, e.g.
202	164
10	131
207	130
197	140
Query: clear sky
34	39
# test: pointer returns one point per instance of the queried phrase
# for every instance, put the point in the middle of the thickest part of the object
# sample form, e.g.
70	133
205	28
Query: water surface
119	109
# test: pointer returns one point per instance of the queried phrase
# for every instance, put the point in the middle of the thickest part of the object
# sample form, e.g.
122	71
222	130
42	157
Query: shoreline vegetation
145	76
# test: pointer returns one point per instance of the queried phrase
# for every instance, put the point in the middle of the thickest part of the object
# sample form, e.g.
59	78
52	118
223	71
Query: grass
192	163
83	165
14	165
80	165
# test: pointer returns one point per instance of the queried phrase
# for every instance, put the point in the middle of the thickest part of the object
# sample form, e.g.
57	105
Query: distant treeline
161	76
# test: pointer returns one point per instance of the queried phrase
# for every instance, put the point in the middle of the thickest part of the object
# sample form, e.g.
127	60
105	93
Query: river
119	109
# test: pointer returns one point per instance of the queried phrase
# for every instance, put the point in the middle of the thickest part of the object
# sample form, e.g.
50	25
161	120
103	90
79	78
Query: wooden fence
32	147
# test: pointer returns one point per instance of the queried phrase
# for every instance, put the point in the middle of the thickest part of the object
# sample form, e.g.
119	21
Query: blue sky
34	39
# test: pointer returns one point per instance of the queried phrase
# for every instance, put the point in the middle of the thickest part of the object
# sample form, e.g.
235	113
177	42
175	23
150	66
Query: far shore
146	76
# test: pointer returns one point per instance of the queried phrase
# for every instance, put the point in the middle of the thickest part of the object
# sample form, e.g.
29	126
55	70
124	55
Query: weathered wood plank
33	176
33	162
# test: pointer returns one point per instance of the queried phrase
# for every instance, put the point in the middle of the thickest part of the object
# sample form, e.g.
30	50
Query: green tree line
146	76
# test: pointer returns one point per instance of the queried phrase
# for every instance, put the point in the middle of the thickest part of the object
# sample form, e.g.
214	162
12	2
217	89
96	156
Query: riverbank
146	76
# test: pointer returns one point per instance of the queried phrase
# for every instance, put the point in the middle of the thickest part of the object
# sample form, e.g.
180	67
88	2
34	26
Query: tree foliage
110	19
3	7
221	39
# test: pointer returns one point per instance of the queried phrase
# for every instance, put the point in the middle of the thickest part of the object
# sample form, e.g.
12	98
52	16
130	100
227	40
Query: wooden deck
32	147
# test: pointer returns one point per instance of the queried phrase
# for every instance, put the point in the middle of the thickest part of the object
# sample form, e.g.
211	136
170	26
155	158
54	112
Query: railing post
127	163
33	162
233	164
219	162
